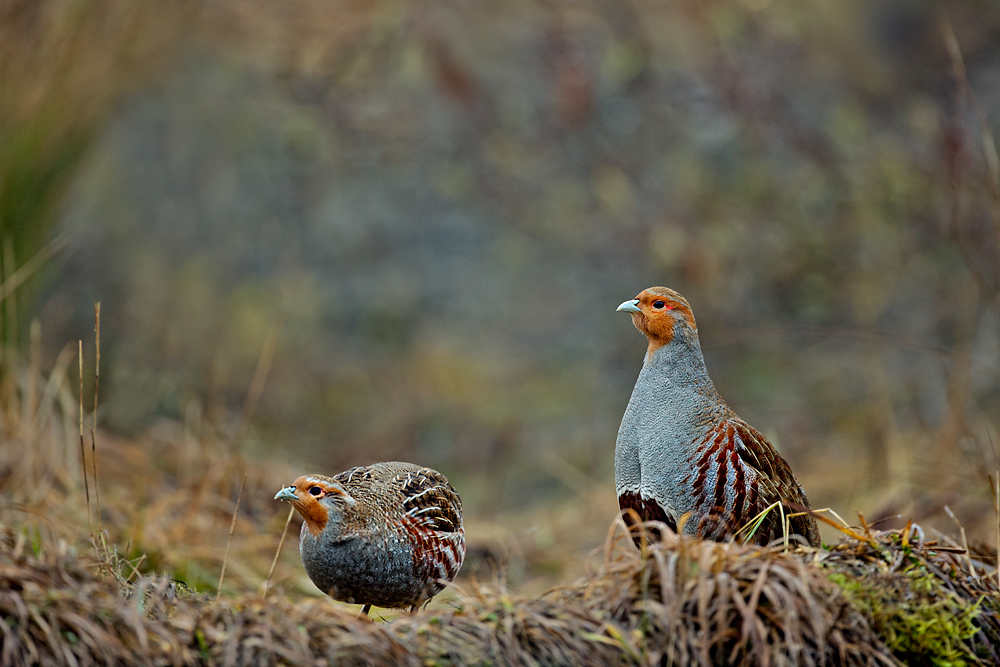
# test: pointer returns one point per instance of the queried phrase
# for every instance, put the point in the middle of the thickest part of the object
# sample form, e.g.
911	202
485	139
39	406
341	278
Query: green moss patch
926	604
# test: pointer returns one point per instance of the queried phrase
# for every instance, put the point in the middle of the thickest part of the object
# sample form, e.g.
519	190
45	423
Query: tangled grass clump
680	601
692	602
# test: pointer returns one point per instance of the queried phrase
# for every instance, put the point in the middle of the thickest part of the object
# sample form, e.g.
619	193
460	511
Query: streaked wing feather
430	499
776	479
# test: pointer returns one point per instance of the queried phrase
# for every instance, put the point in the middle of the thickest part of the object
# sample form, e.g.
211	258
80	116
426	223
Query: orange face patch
309	490
660	308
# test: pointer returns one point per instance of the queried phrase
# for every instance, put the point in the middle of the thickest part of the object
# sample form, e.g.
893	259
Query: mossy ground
925	614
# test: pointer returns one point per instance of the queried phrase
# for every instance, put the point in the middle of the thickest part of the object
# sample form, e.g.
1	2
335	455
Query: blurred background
325	234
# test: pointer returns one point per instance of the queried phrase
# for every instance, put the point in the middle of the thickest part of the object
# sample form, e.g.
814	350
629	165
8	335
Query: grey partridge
388	534
682	452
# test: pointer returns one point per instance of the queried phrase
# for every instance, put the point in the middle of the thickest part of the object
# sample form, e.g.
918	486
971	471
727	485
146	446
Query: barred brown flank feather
432	517
429	496
739	487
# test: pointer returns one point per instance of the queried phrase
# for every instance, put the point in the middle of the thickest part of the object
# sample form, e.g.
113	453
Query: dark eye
316	491
658	304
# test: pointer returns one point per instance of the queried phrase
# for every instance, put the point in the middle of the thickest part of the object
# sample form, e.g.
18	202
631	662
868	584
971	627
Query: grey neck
680	363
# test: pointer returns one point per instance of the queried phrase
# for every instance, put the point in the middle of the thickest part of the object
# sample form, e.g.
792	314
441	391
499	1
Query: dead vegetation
875	598
679	602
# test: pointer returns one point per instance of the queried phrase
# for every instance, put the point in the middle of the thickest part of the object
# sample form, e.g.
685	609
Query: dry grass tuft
691	602
494	628
679	602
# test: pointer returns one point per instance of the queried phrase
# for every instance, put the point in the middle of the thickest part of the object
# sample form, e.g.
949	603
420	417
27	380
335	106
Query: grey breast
663	422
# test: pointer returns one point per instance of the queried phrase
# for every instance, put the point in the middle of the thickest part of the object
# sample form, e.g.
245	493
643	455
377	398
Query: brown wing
776	482
359	475
430	499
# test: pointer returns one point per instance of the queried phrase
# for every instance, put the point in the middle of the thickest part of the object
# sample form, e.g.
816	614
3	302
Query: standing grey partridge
388	534
682	452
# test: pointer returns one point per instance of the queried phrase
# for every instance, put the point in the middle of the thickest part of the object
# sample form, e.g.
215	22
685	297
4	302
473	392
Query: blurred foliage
442	205
63	65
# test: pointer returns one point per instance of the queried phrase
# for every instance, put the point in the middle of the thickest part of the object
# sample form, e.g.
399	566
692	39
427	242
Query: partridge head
388	535
682	455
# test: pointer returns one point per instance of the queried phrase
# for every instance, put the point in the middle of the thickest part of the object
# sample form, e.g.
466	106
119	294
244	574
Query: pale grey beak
287	493
630	306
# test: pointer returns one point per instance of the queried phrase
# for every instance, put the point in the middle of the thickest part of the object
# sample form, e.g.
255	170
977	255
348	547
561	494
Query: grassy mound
880	600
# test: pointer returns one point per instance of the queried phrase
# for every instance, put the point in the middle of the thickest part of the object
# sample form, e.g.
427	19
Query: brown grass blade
93	430
83	454
229	543
819	516
257	384
277	552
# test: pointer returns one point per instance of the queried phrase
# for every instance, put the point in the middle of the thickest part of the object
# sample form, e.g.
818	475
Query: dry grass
680	602
875	598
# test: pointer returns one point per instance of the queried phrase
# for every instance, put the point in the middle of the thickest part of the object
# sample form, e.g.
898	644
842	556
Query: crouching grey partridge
682	452
388	534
